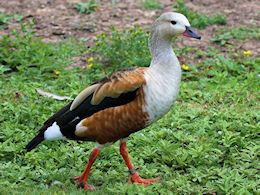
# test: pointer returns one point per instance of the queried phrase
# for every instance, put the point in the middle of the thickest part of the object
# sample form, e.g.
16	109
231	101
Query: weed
86	7
5	18
152	4
197	19
22	51
225	35
126	48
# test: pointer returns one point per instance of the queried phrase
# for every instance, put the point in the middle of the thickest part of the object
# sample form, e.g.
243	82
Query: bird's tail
50	129
47	132
35	142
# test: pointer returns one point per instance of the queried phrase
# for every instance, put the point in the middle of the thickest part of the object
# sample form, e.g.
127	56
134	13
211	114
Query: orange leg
82	180
134	176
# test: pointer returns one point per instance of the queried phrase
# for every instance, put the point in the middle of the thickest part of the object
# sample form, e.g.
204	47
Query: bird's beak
189	32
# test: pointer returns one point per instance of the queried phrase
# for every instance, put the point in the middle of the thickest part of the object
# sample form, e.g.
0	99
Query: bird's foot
83	184
135	178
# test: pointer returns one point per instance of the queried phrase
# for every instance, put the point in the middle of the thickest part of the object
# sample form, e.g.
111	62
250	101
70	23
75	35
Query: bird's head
172	24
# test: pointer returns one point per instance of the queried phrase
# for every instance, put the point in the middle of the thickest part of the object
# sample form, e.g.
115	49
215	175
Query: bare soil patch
57	19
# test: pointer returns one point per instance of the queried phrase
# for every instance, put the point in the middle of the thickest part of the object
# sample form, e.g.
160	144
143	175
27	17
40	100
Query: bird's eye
173	22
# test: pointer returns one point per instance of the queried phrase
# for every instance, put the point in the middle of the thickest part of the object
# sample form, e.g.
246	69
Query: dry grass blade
51	95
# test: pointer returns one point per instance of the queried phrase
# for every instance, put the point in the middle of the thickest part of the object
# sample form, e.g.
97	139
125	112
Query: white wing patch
53	132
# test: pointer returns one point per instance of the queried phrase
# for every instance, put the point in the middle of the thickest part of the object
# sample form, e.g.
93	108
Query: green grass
86	7
226	35
152	4
5	18
206	144
197	19
122	52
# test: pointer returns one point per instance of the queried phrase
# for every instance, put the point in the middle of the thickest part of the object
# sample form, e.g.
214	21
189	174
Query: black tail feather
35	142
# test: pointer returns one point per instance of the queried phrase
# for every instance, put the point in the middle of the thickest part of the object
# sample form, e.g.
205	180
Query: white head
172	24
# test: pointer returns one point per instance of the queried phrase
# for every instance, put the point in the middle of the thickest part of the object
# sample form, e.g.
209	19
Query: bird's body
122	103
114	123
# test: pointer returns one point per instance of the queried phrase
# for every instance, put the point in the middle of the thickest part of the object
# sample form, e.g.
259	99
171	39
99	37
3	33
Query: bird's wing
114	90
117	89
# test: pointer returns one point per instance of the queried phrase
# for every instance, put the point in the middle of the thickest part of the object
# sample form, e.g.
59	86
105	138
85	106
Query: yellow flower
185	67
89	66
90	59
248	52
56	72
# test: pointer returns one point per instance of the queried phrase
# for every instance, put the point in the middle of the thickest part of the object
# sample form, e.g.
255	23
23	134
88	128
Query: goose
124	102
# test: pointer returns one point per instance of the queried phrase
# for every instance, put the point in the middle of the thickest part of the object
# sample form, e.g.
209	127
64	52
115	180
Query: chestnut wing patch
118	83
113	86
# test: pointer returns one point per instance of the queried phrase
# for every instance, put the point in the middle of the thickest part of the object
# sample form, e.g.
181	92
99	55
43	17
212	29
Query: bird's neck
162	78
163	57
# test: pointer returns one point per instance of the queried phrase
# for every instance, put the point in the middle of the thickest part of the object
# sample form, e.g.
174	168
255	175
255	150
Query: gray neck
162	53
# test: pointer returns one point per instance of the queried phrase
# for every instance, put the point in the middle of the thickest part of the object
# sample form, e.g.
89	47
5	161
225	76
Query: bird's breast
160	92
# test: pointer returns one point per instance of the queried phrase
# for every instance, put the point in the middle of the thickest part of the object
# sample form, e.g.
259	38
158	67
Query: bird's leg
134	176
82	180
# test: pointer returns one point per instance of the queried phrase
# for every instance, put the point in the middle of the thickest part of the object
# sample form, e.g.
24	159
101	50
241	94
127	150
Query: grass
199	20
86	7
206	144
5	18
122	52
241	33
152	4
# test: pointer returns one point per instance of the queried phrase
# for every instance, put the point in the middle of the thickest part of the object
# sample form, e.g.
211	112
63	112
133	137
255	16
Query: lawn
208	143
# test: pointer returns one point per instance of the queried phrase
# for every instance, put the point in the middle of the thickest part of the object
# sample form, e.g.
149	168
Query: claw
135	178
82	184
89	187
